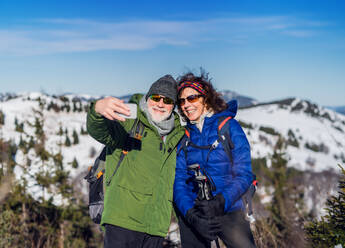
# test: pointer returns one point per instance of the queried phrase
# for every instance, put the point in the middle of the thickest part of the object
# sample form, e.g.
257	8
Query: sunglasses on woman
191	99
157	98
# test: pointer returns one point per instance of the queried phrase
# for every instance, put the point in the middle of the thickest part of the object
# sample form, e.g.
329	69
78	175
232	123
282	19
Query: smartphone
132	109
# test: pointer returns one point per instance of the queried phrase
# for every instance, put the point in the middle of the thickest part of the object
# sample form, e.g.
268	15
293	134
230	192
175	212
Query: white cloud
45	36
299	33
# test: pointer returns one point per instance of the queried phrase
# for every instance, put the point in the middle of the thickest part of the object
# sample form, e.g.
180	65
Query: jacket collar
230	111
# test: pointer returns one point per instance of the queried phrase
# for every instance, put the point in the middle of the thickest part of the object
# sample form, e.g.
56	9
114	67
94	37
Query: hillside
65	113
313	138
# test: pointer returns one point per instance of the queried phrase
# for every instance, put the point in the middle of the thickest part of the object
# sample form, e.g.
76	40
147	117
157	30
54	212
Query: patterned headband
195	85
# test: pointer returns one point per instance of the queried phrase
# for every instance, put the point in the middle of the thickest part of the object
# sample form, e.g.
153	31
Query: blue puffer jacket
231	180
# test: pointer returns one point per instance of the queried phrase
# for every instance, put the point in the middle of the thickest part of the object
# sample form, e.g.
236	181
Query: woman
201	220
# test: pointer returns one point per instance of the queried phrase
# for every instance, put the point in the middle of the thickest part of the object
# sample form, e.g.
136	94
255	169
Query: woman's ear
204	102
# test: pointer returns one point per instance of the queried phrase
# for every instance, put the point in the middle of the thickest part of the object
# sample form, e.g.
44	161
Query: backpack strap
247	199
103	154
93	168
184	142
139	131
224	136
133	142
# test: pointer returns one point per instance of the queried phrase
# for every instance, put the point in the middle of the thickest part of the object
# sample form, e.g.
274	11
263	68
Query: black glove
206	227
213	207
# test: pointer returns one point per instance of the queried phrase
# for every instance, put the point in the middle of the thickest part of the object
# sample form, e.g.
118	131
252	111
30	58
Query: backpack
225	139
95	175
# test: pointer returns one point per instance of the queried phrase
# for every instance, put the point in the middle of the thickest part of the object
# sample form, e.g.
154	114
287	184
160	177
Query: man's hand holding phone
113	108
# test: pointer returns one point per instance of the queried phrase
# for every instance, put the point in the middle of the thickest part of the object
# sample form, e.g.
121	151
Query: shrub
292	140
245	125
2	118
269	130
330	230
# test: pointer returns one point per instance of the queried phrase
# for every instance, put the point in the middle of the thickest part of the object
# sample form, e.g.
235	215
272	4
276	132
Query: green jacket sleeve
107	132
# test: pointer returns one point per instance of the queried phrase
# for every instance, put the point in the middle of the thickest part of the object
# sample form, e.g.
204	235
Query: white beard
158	117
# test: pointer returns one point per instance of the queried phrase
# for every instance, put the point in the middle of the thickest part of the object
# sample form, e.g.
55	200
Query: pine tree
75	163
75	137
330	230
74	106
60	133
43	175
286	216
8	151
67	141
19	127
77	105
28	222
2	118
68	108
83	131
39	125
23	145
80	108
283	227
31	143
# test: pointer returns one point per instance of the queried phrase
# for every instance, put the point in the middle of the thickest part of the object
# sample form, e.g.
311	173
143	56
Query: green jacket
139	196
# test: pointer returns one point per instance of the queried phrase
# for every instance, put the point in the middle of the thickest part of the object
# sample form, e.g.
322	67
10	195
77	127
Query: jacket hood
231	110
135	98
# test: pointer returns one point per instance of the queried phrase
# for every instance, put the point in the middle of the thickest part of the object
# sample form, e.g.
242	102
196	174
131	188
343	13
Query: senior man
138	197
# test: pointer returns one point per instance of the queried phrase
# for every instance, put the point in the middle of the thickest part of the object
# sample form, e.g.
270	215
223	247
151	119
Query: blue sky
264	49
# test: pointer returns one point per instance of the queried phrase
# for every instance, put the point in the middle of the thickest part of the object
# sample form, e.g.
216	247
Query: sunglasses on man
191	99
157	98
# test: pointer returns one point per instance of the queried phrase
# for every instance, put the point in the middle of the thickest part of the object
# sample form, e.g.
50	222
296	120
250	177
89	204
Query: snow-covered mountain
339	109
67	113
313	141
242	101
313	137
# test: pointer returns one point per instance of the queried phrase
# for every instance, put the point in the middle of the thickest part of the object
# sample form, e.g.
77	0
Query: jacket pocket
135	188
134	181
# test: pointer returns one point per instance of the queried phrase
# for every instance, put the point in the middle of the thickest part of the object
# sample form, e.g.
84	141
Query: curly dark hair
213	99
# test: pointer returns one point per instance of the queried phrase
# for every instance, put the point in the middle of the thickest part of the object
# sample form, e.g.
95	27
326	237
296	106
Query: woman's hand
213	207
207	227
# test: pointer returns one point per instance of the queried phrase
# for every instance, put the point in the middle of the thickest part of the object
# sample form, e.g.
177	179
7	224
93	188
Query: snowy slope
314	142
318	133
314	137
22	108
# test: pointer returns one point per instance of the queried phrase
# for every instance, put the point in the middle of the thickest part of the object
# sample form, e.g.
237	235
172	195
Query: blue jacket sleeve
242	176
182	195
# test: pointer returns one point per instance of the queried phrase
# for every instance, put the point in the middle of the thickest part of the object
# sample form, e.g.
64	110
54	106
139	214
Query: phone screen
133	110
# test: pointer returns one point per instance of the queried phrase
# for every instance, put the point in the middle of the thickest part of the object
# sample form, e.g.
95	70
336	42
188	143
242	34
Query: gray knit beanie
165	86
